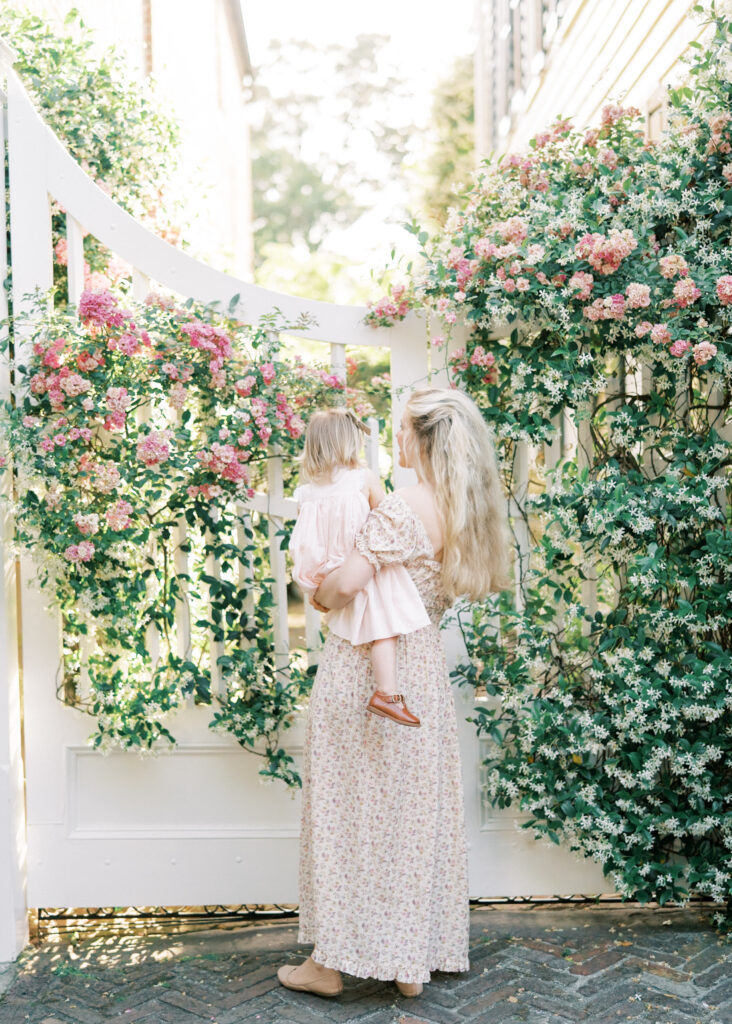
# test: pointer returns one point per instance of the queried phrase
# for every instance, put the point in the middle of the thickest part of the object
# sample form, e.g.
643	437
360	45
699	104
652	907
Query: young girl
333	506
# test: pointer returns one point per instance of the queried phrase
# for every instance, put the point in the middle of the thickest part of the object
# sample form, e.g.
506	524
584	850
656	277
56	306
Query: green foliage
598	256
137	440
450	165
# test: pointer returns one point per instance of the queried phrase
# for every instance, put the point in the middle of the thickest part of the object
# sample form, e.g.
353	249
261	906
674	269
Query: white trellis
78	832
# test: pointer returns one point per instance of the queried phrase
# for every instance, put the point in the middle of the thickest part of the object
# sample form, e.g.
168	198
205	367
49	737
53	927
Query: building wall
191	51
538	60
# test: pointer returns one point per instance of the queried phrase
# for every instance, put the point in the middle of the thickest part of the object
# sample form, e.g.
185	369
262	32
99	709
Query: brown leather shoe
391	705
309	977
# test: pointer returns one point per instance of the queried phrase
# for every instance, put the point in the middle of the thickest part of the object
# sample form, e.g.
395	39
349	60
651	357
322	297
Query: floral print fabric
383	861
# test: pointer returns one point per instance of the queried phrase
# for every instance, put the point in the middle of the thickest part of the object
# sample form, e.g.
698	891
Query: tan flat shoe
392	705
410	988
306	977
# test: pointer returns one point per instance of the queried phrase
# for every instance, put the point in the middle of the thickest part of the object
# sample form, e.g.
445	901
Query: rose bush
595	275
130	424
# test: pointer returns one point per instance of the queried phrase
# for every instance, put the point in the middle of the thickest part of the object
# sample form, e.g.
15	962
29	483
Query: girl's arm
341	586
376	492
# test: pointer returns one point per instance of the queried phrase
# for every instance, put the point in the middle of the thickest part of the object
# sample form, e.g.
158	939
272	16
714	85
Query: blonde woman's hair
333	438
452	448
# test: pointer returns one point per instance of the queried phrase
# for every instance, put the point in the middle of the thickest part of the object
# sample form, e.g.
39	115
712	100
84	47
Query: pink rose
703	352
660	334
638	295
679	347
724	289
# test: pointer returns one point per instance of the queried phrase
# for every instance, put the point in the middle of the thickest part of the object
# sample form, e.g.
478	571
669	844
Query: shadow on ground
530	964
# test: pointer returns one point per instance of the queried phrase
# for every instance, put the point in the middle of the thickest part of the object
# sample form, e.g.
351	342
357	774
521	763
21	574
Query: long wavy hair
451	446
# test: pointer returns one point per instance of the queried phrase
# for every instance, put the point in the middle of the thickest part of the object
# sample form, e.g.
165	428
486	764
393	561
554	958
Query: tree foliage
321	118
448	170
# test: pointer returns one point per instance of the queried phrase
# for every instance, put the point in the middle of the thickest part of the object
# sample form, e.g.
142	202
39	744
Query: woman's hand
340	586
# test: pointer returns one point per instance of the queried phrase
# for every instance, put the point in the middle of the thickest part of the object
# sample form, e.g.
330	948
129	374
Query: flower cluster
136	424
390	308
594	276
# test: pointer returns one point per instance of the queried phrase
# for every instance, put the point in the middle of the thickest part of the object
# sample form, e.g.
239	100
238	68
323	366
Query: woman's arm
341	586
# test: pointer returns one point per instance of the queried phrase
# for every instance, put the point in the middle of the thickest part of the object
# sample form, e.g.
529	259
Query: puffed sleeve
389	535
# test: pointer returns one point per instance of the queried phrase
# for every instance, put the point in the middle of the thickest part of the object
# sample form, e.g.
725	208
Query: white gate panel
195	824
192	825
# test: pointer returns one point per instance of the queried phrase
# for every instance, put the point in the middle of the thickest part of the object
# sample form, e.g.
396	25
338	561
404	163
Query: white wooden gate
192	826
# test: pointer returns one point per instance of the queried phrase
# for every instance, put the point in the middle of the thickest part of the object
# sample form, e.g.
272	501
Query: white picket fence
75	829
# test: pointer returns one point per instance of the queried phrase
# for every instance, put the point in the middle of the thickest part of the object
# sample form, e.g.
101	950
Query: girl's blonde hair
333	438
451	446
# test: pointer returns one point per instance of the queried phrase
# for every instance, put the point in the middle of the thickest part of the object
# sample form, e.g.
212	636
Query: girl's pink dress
324	536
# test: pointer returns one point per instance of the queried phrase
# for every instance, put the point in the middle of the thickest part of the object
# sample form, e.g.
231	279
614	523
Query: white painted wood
723	425
372	444
313	636
13	907
181	568
652	463
140	285
585	451
216	647
409	370
174	269
553	448
338	361
278	565
246	571
30	224
520	522
75	259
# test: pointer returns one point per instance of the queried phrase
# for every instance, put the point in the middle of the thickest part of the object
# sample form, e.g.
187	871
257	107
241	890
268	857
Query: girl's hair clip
359	423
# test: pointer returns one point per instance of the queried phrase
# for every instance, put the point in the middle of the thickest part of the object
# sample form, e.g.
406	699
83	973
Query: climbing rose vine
138	436
594	274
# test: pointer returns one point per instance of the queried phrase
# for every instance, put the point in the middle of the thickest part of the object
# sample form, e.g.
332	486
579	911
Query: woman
383	862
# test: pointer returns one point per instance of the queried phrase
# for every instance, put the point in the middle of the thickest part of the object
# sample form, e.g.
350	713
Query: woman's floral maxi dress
383	861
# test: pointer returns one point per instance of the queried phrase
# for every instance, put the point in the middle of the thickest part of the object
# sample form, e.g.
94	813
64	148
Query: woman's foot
311	977
391	705
410	988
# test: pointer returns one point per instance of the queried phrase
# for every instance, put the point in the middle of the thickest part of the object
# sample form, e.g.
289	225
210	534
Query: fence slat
372	444
140	285
723	426
585	452
75	259
182	610
278	565
650	469
520	525
553	448
338	361
246	573
312	633
216	647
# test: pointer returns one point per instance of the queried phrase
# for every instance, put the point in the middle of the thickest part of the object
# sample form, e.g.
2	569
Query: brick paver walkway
537	964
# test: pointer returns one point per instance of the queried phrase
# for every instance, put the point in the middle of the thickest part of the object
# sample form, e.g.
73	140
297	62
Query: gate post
409	370
13	905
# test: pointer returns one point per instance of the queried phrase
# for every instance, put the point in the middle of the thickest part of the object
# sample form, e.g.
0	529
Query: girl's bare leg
386	700
383	660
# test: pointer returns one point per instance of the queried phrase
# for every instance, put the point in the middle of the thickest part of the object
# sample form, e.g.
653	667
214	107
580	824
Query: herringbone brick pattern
528	964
